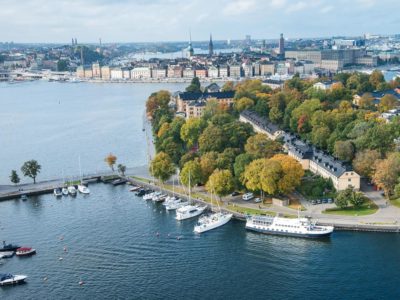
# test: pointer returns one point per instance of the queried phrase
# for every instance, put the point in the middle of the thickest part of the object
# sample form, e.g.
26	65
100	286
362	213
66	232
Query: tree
260	145
344	150
111	159
292	173
14	178
275	115
387	173
220	182
320	136
241	162
162	167
193	169
208	163
357	199
342	198
121	169
212	139
376	78
195	86
243	104
191	155
228	86
62	65
364	162
387	102
366	101
31	168
191	130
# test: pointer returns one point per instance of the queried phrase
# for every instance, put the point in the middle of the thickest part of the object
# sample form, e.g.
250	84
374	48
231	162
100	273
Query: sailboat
212	221
81	187
189	211
172	203
64	190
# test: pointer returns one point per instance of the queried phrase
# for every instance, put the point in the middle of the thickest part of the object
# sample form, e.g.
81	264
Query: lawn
395	202
368	208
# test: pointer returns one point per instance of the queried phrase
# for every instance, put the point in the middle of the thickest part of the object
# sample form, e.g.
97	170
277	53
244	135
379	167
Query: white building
140	73
213	72
116	74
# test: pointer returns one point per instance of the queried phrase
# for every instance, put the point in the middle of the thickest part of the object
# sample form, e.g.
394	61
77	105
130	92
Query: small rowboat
25	251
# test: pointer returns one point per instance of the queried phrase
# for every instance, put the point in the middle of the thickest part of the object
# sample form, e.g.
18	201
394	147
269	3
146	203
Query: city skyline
140	21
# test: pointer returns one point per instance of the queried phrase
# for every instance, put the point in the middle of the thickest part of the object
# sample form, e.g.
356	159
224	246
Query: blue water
111	235
113	247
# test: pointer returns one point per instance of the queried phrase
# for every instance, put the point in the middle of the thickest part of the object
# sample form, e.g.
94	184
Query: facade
223	71
188	73
235	71
105	73
141	73
248	70
175	72
324	85
88	72
213	72
96	70
267	69
377	96
281	50
158	73
195	109
126	73
310	158
201	73
116	74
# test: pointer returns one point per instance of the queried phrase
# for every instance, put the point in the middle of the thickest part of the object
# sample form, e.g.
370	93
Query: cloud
239	7
296	7
326	9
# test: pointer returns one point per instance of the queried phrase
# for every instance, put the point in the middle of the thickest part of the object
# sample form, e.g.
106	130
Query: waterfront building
256	69
310	55
96	70
370	61
267	69
213	72
126	73
116	73
158	73
223	71
235	71
105	73
201	72
182	99
247	69
188	73
377	96
141	73
195	109
332	65
88	71
210	47
80	72
318	162
175	72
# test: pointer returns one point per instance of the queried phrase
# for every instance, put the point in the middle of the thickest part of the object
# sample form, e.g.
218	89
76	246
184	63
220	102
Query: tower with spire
210	47
190	47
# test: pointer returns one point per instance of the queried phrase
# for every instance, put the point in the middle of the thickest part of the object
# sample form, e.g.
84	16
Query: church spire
190	47
210	46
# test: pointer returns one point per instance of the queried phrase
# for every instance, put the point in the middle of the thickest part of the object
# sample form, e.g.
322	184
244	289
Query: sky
170	20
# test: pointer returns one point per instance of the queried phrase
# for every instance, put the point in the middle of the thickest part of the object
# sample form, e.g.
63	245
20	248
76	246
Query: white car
257	200
248	196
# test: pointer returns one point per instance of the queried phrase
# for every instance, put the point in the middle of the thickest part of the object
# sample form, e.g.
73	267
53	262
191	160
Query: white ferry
299	227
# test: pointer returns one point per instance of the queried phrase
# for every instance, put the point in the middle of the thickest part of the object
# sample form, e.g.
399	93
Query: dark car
235	194
324	200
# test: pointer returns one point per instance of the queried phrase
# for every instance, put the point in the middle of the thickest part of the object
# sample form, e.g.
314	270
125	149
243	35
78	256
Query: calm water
111	235
56	123
112	246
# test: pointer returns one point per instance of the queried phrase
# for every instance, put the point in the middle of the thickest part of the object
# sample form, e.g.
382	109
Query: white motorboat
72	190
299	227
6	254
64	191
170	199
151	195
175	205
134	189
57	192
189	211
159	198
9	279
25	251
83	189
212	221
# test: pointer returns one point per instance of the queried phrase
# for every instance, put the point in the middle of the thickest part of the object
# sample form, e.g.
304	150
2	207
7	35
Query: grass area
75	182
368	208
141	179
251	211
395	202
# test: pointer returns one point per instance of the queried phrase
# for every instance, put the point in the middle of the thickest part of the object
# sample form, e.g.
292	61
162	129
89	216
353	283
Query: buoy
65	249
60	258
158	234
45	278
81	282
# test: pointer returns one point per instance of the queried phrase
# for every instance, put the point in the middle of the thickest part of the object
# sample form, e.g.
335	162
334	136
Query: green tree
191	130
220	182
387	102
191	155
228	86
62	65
31	168
212	139
320	136
162	167
260	145
342	198
195	86
241	162
110	160
121	169
357	199
344	150
366	101
14	178
193	169
275	115
208	163
243	104
376	78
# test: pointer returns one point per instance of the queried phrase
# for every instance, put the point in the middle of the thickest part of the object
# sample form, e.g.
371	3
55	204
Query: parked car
330	200
324	200
257	200
319	201
313	202
235	194
248	196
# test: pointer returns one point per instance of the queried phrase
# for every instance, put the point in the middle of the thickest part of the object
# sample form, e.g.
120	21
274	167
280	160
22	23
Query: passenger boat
299	227
6	254
9	279
212	221
25	251
57	192
8	247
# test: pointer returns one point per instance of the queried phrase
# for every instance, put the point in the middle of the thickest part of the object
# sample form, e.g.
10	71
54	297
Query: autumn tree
387	173
259	145
212	139
262	175
162	167
228	86
110	160
208	163
387	102
191	130
192	169
31	168
220	182
364	162
243	104
292	173
366	101
376	78
14	178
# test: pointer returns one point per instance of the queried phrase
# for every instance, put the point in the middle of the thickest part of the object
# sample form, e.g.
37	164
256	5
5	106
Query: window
349	179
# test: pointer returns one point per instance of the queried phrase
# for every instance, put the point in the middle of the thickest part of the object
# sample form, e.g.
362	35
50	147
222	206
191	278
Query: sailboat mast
190	189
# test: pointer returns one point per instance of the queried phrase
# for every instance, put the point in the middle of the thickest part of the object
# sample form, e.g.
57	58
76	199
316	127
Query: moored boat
9	279
212	221
189	211
64	191
6	254
299	227
72	190
119	181
25	251
8	247
83	189
57	192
